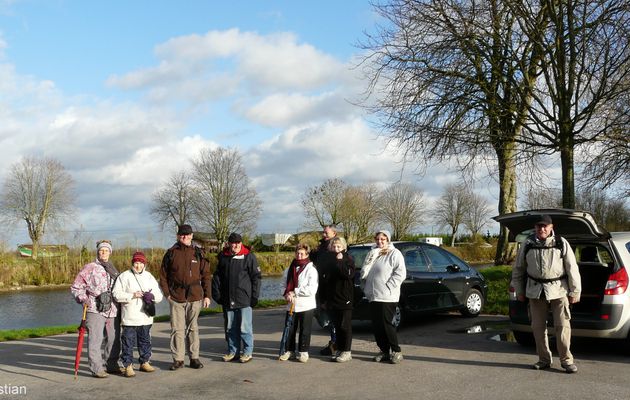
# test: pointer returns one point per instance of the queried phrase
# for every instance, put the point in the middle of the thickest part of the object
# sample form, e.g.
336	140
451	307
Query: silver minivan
603	258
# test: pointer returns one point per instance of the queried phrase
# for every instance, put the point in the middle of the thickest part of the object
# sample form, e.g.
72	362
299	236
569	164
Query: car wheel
473	302
524	338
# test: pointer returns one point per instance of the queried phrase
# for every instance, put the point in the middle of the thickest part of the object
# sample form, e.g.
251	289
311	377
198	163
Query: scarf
296	268
109	268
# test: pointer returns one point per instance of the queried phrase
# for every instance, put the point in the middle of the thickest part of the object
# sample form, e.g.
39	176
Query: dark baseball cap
235	238
184	229
543	220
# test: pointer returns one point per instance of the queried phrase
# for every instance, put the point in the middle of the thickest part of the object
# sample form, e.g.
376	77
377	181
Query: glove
253	302
148	297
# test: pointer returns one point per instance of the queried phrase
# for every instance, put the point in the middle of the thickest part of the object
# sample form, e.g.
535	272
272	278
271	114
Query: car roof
567	223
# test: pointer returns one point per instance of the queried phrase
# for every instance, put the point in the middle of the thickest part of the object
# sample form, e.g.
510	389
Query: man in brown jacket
185	282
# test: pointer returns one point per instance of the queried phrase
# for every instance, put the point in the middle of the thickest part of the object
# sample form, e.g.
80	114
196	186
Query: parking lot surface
442	361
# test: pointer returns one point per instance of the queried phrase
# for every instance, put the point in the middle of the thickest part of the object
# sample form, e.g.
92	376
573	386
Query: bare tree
538	197
225	201
611	165
323	204
173	203
613	214
453	80
452	207
402	208
359	213
585	72
40	192
478	213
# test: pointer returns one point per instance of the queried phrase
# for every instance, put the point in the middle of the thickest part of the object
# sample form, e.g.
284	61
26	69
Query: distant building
45	250
436	241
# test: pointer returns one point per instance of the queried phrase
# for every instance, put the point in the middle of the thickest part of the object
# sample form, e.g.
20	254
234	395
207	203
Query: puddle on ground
503	334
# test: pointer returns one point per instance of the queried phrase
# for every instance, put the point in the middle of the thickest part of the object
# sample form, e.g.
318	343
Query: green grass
21	334
498	279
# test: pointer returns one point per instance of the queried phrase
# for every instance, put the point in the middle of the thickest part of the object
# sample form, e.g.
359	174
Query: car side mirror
453	268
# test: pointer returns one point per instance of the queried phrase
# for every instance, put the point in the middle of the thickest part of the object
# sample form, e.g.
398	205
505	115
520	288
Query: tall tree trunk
507	199
568	178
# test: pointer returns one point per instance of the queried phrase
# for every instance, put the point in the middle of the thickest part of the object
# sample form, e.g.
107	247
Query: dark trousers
342	321
383	326
301	327
132	335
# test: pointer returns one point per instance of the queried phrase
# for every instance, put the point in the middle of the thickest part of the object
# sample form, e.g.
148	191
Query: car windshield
358	254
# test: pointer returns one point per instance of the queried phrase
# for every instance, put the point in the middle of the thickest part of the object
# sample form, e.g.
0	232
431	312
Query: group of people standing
326	280
119	305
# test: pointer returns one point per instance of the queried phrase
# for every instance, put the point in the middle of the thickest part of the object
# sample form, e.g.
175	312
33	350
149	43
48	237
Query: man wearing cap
185	282
547	274
92	287
236	287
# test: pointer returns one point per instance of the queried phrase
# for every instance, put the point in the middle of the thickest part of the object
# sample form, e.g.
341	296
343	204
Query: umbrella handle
292	308
84	311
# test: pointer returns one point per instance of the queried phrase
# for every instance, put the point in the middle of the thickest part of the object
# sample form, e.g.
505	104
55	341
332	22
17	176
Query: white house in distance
436	241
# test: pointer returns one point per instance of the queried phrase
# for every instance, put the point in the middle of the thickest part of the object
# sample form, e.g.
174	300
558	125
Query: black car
436	281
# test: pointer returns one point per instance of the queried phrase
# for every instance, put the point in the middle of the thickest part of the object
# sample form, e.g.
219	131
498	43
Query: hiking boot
176	365
246	358
129	373
570	368
116	370
329	349
100	374
195	363
540	365
303	357
228	357
381	356
146	367
285	356
396	357
344	356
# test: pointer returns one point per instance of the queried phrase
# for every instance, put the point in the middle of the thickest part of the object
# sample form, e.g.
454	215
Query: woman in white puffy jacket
382	274
300	288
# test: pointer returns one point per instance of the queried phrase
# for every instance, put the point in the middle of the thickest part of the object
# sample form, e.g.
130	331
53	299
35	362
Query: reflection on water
56	307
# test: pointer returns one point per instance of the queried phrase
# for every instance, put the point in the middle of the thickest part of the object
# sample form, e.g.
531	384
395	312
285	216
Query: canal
21	309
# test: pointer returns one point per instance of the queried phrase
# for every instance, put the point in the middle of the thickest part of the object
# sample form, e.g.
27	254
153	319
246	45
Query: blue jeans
239	328
132	335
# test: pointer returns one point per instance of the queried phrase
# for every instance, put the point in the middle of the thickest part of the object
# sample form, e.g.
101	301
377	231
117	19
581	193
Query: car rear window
358	254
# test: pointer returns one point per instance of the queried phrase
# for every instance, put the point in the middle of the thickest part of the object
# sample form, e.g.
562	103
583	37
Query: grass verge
498	279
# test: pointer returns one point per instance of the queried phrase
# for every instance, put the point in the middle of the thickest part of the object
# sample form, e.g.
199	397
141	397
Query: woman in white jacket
132	288
382	275
301	286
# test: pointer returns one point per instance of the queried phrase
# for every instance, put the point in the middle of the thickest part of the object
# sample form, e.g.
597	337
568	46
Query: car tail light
617	282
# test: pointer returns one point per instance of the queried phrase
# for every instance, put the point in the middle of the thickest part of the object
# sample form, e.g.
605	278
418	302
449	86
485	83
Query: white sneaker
285	356
344	356
303	357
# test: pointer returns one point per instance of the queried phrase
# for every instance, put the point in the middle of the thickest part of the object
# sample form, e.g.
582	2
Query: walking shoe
100	374
176	365
344	356
570	368
228	357
285	356
146	367
246	358
116	370
195	363
381	356
303	357
329	349
129	372
396	357
540	365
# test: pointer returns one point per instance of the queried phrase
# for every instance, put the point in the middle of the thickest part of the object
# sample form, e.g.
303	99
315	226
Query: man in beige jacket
547	274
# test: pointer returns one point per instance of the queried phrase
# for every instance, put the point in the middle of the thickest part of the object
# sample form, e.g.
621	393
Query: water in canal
56	307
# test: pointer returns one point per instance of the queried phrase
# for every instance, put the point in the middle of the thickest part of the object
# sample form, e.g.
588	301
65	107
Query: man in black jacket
236	287
318	256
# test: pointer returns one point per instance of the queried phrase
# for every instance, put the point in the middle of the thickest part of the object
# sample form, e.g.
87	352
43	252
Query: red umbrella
82	329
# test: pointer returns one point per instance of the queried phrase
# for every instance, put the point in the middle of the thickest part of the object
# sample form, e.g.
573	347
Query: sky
126	93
